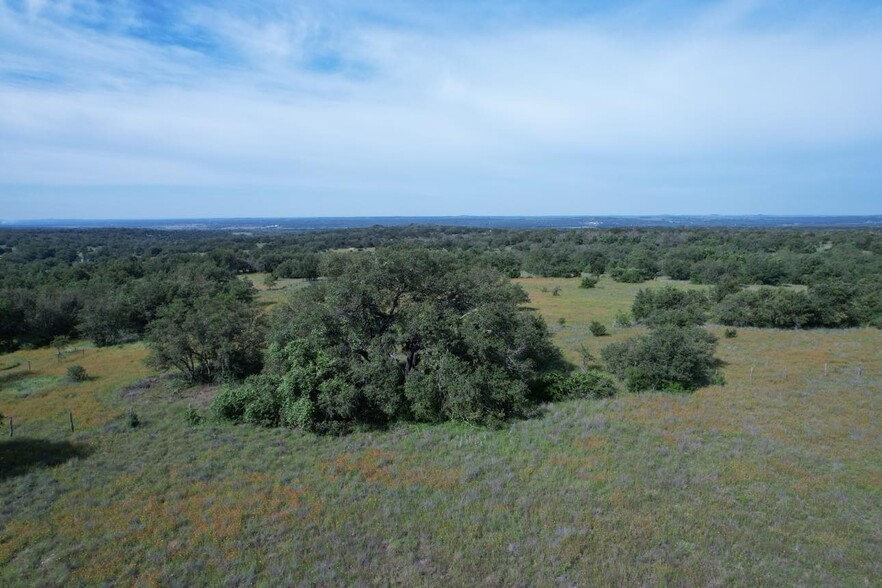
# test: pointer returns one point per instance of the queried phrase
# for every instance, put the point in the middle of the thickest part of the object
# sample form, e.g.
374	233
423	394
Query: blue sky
162	109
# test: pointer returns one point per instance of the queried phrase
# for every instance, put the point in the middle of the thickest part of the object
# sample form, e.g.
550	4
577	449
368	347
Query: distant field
775	478
579	306
268	296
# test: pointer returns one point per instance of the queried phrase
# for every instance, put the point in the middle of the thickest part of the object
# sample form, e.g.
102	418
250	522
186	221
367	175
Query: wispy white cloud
329	98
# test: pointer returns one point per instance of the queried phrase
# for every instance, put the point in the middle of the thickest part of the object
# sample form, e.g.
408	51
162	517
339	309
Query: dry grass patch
43	395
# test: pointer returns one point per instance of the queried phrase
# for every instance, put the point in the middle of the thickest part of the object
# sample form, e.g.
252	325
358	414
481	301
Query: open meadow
774	478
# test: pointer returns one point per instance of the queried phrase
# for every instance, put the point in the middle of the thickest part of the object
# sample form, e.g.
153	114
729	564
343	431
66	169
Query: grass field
775	478
269	296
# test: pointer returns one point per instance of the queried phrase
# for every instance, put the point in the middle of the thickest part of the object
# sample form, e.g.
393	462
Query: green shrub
598	329
629	275
562	321
231	401
555	291
772	308
668	358
730	333
592	383
622	320
264	406
77	373
670	306
588	282
299	413
133	420
192	416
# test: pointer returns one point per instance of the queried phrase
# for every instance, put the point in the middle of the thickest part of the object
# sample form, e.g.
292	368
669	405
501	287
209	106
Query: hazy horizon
275	224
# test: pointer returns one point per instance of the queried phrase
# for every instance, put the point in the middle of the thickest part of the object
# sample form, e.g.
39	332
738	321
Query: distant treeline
109	285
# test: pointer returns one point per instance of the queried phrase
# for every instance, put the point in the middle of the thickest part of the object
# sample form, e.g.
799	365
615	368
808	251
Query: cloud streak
529	109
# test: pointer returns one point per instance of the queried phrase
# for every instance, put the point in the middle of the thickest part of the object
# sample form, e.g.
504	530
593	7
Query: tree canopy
398	334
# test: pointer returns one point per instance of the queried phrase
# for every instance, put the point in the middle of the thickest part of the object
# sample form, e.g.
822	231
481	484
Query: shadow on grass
8	380
18	456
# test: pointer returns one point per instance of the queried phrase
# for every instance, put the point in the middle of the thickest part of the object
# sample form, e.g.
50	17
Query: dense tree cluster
109	284
398	334
824	305
670	306
209	337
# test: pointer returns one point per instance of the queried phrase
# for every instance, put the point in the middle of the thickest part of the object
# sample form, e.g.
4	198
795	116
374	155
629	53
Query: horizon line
435	216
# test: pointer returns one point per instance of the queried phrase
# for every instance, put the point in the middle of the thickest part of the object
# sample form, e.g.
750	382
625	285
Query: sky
191	109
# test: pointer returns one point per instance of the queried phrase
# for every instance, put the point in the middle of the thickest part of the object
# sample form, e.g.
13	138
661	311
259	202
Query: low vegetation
77	373
670	358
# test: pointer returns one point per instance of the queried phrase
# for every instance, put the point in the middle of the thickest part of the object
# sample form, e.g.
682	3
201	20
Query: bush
592	383
588	282
597	329
730	333
193	417
231	401
769	307
669	358
562	321
555	291
670	306
77	373
134	421
257	401
622	320
629	275
299	413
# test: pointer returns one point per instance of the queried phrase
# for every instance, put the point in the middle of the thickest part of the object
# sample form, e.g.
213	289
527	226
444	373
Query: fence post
11	427
70	414
751	374
825	369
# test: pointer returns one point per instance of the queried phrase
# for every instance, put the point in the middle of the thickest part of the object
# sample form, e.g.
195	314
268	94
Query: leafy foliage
77	373
399	334
588	282
670	306
668	358
629	275
192	416
590	383
598	329
208	338
623	320
108	285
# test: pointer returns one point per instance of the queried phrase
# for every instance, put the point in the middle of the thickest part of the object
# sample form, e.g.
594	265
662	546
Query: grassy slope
774	478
